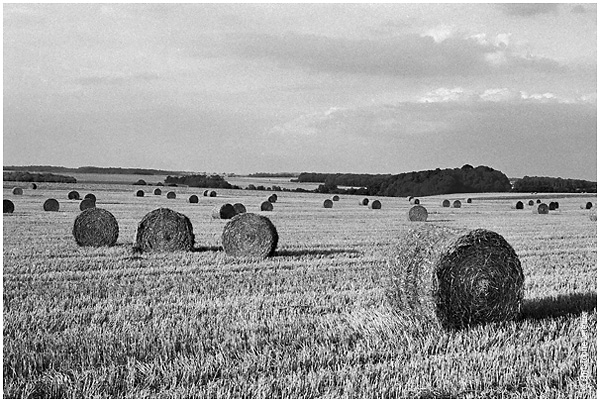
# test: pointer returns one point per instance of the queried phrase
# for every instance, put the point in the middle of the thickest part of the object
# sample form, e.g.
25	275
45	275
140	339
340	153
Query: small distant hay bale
87	203
556	205
541	209
171	195
519	205
205	193
551	206
90	196
239	208
193	199
328	203
417	213
335	198
266	206
272	198
164	230
33	186
409	198
139	193
375	204
415	201
250	235
95	227
593	216
159	184
364	201
456	204
588	205
73	195
225	211
8	207
468	200
17	191
538	201
157	191
530	203
446	203
51	205
213	193
455	277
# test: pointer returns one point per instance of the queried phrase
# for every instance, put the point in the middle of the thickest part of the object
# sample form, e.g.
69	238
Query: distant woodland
200	180
553	185
90	169
37	177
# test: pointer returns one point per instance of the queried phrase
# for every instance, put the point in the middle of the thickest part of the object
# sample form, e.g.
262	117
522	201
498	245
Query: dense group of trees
39	177
90	169
279	174
553	185
200	180
467	179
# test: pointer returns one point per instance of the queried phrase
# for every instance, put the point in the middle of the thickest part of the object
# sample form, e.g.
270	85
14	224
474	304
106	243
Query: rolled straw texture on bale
205	193
51	205
468	201
530	203
363	201
456	204
375	204
33	186
225	211
417	213
540	209
239	208
139	193
272	198
73	195
164	230
17	191
415	201
157	191
90	196
171	195
95	227
519	205
8	207
212	194
327	204
335	198
446	203
455	277
193	199
250	235
87	203
266	206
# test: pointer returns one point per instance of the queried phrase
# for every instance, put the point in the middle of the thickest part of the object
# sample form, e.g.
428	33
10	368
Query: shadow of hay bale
558	306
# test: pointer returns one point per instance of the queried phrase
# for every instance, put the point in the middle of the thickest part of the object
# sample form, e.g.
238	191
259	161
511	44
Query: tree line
200	180
39	177
553	185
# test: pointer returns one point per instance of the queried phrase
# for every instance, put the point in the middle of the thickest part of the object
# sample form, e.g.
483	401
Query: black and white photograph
285	200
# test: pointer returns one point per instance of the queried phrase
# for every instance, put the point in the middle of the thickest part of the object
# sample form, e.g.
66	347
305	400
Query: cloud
443	54
528	9
498	95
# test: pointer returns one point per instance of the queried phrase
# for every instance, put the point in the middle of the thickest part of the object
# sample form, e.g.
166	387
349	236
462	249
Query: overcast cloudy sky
384	88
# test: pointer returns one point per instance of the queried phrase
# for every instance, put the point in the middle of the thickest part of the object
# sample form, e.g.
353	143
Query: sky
356	88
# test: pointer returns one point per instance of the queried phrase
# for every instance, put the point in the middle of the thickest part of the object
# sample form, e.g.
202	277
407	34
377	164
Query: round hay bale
157	191
468	201
95	227
540	209
33	186
90	196
205	193
159	184
588	205
17	191
538	201
328	204
171	195
213	193
87	203
193	199
417	213
409	198
272	198
415	201
73	195
593	216
266	206
239	208
551	206
530	203
456	204
250	235
225	211
363	201
446	203
51	205
335	198
455	277
519	205
375	204
556	204
139	193
9	207
164	230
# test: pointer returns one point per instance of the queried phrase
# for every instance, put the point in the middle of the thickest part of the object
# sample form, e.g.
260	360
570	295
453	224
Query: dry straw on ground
171	195
456	204
266	206
375	204
193	199
17	191
225	211
328	203
335	198
415	201
73	195
157	191
455	278
8	207
363	201
519	205
239	208
540	209
51	205
250	235
87	203
95	227
446	203
139	193
164	230
417	213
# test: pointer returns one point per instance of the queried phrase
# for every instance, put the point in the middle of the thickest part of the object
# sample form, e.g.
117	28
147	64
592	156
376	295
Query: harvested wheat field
318	318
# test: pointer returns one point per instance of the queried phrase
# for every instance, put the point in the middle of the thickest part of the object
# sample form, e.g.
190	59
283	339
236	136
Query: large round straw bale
8	207
171	195
266	206
455	277
249	235
213	193
90	196
363	201
417	213
540	209
225	211
17	191
415	201
205	193
335	198
446	203
95	227
193	199
328	204
51	205
157	191
530	203
164	230
456	204
519	205
87	203
33	186
468	200
375	204
139	193
73	195
272	198
239	208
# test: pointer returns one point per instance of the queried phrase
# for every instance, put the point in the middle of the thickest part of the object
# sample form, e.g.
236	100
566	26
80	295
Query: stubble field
311	322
